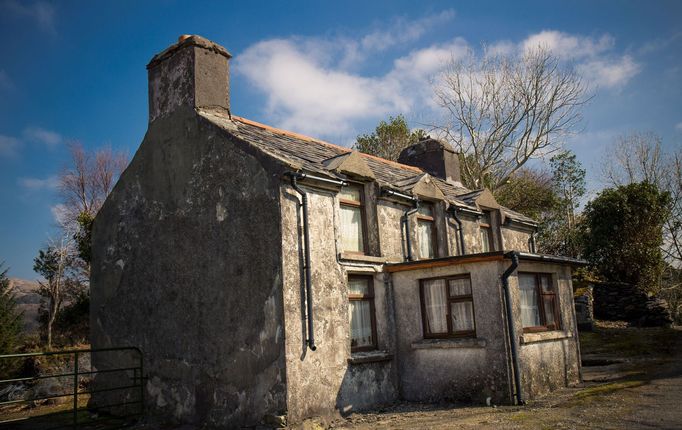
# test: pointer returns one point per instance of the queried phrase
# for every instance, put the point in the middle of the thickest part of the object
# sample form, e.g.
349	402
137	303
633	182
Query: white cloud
317	85
49	183
9	146
678	126
567	45
41	135
42	13
609	74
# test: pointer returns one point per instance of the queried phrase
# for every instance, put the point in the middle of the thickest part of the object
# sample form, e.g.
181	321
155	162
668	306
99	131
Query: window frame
544	325
489	228
363	216
434	235
450	299
369	297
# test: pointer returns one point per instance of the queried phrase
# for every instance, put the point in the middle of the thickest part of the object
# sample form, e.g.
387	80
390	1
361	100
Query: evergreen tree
10	318
388	138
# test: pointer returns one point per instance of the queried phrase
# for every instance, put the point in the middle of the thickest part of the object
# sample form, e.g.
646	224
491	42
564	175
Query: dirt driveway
632	380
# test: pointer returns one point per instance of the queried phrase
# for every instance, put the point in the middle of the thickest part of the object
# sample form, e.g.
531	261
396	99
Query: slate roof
309	154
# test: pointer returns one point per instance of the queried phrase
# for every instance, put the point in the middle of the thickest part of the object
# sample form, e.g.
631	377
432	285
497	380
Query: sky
75	72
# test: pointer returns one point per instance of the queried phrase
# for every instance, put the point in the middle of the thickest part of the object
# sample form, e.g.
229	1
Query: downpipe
510	324
406	224
458	220
306	242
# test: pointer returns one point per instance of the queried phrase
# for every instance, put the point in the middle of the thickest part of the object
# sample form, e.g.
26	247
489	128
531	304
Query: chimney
434	157
193	73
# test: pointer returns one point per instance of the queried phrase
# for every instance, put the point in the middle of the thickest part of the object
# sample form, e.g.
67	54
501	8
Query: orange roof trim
322	142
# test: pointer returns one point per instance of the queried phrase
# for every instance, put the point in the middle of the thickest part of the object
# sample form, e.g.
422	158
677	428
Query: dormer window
351	202
486	232
426	232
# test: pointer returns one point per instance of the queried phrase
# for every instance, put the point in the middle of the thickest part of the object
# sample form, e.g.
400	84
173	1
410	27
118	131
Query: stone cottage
263	272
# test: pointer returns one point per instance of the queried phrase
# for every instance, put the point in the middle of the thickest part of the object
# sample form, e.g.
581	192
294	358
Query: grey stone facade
198	259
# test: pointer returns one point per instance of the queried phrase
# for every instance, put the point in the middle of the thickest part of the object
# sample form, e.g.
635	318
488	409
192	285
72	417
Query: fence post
75	390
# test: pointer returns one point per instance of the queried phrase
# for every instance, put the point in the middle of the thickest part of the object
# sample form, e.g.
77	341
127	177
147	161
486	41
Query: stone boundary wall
625	302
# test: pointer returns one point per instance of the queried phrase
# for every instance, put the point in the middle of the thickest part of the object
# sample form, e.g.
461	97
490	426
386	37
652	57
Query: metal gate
72	392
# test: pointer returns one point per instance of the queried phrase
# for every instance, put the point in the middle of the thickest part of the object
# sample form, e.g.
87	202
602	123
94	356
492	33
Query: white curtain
425	238
460	287
435	304
360	323
530	312
462	314
351	229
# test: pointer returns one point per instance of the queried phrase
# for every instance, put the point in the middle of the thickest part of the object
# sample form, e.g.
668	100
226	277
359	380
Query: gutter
453	210
295	176
510	325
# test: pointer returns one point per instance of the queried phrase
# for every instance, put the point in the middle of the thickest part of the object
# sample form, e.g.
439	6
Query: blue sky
75	71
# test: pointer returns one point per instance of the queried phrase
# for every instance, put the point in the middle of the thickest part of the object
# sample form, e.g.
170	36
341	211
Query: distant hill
28	301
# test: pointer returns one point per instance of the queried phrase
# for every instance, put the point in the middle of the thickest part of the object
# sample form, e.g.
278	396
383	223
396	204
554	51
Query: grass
604	389
631	341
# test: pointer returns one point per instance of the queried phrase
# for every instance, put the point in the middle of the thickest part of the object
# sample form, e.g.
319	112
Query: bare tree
634	157
502	111
87	182
53	265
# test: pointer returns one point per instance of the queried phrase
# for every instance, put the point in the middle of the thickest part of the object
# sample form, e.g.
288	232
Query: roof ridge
322	142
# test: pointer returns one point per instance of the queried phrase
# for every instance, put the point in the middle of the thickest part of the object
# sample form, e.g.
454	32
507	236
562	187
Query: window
352	219
487	243
363	335
426	232
447	307
538	302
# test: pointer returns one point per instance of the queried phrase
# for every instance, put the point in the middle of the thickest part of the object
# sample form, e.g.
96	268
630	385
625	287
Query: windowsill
544	336
349	256
465	342
369	357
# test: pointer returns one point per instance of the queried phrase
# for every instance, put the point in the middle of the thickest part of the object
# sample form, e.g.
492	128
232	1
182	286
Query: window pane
462	314
485	239
360	324
460	287
546	283
435	305
425	210
351	229
358	286
530	313
425	237
549	309
350	193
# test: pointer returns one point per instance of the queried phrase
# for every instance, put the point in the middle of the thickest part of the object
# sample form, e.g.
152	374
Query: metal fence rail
129	384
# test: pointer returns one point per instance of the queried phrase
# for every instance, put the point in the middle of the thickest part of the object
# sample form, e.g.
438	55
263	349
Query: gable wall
186	266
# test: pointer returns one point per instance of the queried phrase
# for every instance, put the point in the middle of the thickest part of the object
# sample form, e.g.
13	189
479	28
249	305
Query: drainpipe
510	323
306	243
458	220
532	242
406	222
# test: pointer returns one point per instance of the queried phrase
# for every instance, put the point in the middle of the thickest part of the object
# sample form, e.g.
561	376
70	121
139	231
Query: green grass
605	389
630	342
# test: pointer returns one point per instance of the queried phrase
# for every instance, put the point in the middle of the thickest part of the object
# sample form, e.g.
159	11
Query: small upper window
352	219
539	309
487	243
426	232
447	307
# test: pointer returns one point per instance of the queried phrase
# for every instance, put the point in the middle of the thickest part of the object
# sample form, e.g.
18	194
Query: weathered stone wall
625	302
548	360
322	382
455	369
584	310
515	239
186	266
